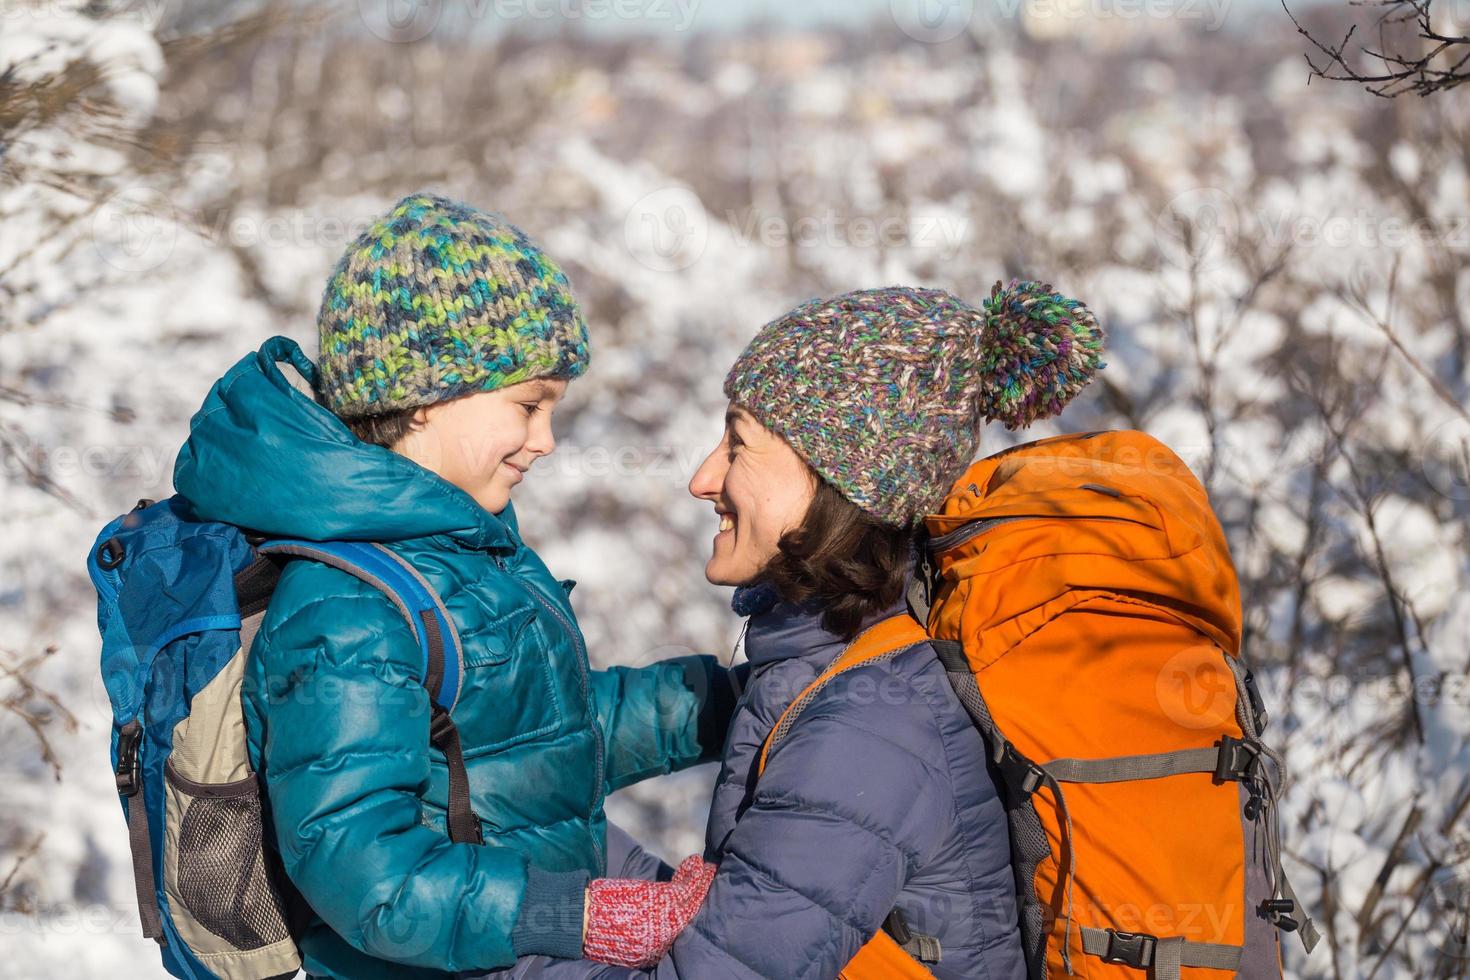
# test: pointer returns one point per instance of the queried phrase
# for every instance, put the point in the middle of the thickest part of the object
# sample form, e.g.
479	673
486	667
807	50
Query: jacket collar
784	630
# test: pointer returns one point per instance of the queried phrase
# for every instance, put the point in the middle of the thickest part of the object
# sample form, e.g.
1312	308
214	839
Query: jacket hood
263	455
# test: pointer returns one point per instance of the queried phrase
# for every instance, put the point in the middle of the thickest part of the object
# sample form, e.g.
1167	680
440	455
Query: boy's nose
541	440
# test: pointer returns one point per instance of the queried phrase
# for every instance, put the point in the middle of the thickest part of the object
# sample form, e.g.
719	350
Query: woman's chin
718	571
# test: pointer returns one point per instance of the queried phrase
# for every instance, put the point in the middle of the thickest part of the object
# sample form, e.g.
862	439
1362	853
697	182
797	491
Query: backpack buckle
925	949
1135	949
1022	776
1238	760
440	724
126	774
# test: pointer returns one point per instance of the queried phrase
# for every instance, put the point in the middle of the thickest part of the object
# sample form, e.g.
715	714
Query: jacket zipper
586	686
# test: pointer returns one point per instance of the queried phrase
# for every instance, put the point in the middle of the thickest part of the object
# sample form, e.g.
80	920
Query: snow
693	198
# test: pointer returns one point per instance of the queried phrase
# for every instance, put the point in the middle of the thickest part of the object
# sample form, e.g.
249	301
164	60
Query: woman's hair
840	555
382	430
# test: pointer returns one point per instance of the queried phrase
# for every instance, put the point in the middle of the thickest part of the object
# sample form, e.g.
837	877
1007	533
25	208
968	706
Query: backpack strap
895	952
1229	759
883	640
1161	956
442	656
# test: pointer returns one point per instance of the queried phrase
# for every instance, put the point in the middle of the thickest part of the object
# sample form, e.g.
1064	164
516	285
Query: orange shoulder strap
881	958
878	640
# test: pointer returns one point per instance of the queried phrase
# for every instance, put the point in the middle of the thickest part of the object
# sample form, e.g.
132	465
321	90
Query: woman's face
760	489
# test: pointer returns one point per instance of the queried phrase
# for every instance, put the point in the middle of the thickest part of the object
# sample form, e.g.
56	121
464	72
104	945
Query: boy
447	339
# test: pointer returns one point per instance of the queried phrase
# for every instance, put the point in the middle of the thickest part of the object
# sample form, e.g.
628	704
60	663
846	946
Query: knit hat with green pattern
439	299
883	391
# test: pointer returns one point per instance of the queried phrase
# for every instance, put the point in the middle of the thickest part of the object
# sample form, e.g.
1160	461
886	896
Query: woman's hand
632	922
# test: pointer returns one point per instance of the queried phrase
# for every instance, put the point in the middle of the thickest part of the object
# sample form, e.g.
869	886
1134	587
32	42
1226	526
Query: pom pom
1040	349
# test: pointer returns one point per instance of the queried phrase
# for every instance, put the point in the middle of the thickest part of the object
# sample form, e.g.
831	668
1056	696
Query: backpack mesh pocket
223	896
222	876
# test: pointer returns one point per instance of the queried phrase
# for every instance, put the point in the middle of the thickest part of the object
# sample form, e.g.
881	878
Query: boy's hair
382	430
844	557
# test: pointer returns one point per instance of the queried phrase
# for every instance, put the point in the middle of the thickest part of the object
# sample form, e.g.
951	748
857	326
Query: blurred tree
1414	54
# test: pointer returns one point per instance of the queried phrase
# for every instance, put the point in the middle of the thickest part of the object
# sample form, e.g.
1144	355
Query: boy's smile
486	442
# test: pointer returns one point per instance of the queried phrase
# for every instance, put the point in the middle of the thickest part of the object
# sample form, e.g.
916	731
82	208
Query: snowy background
1283	269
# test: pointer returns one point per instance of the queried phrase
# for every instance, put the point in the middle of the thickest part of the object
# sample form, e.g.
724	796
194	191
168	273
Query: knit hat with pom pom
883	391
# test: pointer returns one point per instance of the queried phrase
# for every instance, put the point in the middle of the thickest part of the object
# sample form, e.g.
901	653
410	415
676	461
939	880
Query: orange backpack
1080	592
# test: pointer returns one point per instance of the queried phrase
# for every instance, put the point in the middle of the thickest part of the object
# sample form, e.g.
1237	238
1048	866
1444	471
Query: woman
848	420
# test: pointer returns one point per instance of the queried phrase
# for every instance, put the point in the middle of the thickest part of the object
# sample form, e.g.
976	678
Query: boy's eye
530	408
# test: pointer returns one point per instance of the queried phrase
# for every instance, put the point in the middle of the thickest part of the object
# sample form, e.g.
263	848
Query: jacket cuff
550	923
721	689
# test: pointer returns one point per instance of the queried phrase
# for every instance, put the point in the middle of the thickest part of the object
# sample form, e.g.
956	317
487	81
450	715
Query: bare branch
1423	72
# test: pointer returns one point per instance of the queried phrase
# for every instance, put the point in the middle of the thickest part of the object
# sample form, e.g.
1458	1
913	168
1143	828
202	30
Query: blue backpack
179	601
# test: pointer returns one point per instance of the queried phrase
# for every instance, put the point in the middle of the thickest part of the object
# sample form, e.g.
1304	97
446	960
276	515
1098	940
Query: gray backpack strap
1235	759
1283	908
1161	956
130	785
1020	777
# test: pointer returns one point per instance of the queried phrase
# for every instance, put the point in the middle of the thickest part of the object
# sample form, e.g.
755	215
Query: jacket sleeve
664	717
346	757
844	814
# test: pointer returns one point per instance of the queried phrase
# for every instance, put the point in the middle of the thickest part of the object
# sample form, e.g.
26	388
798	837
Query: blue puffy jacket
880	797
337	719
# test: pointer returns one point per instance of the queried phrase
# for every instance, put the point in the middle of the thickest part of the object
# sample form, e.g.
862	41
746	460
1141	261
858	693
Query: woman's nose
708	481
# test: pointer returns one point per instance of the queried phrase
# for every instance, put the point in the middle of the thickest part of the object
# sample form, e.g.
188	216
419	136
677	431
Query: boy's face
484	443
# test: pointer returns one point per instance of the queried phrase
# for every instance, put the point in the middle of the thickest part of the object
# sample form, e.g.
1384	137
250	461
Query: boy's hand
631	922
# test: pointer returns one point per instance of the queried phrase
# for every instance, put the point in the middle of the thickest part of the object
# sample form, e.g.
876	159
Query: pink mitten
631	922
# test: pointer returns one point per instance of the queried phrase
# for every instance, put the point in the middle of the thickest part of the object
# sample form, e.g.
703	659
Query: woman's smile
760	489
